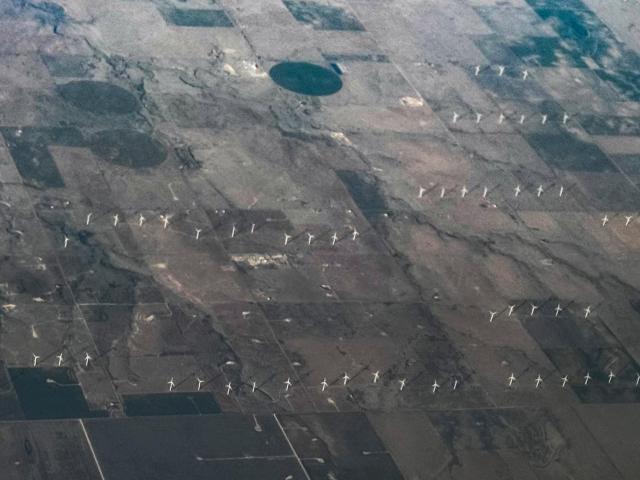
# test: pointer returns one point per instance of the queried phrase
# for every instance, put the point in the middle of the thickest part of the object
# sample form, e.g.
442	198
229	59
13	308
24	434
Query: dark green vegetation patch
198	18
625	83
577	347
546	52
365	191
344	441
50	393
247	447
567	152
323	17
629	164
128	148
68	65
610	125
29	148
496	50
98	97
306	78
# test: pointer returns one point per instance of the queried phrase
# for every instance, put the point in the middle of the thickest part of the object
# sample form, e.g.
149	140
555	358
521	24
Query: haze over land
289	239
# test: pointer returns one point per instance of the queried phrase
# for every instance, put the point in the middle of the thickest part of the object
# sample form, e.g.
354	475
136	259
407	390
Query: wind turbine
558	309
435	386
538	380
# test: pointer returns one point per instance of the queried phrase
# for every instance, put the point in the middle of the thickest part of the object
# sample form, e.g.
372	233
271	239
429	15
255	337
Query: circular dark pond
129	148
98	97
305	78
